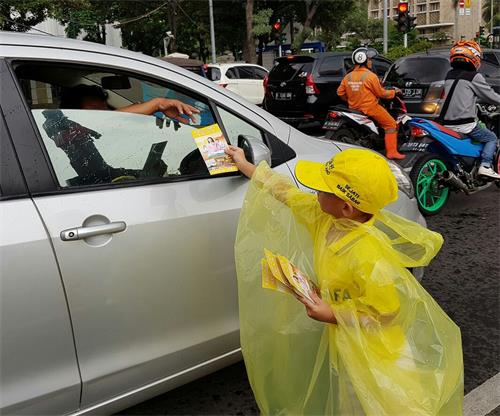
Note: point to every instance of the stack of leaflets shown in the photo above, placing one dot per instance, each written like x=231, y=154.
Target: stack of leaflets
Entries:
x=279, y=273
x=211, y=142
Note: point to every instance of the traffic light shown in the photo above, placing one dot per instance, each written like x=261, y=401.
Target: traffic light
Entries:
x=277, y=25
x=481, y=31
x=283, y=38
x=411, y=22
x=402, y=18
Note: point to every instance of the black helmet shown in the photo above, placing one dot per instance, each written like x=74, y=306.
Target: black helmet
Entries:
x=361, y=55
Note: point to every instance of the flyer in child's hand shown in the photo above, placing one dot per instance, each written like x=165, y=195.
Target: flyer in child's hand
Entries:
x=278, y=273
x=211, y=142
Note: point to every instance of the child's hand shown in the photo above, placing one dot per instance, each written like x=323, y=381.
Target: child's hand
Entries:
x=240, y=160
x=320, y=310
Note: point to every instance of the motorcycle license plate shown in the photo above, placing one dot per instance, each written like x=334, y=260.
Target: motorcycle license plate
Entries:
x=331, y=124
x=283, y=96
x=412, y=92
x=413, y=147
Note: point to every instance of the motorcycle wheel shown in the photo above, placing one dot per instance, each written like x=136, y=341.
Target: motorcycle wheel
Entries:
x=345, y=135
x=431, y=194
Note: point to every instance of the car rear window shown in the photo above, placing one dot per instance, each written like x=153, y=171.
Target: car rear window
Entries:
x=287, y=69
x=420, y=70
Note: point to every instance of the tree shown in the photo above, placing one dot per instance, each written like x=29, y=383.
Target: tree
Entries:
x=487, y=6
x=21, y=15
x=249, y=46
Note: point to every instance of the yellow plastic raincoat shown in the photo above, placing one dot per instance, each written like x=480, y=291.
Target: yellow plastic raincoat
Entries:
x=393, y=352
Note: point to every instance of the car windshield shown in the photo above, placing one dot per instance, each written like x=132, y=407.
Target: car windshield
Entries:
x=418, y=70
x=286, y=70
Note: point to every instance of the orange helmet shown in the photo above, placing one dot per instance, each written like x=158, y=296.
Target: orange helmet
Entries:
x=466, y=51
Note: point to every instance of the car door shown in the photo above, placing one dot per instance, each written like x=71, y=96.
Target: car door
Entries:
x=39, y=369
x=145, y=249
x=249, y=87
x=232, y=80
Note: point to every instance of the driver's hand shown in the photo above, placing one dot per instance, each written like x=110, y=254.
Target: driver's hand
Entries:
x=176, y=109
x=398, y=91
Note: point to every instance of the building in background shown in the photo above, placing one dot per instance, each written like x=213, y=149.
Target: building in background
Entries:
x=437, y=17
x=53, y=27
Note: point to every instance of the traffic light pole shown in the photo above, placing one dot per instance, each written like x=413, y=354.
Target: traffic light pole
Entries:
x=405, y=40
x=385, y=26
x=212, y=31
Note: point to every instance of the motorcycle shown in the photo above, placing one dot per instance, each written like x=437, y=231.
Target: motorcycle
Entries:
x=354, y=127
x=440, y=160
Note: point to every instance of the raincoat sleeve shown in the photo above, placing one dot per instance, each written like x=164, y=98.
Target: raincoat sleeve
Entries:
x=374, y=85
x=303, y=205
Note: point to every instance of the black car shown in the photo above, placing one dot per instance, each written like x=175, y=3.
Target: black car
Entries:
x=421, y=79
x=301, y=88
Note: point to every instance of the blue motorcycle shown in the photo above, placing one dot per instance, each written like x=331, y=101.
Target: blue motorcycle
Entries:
x=439, y=160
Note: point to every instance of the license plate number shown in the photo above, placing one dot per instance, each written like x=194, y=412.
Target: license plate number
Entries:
x=412, y=92
x=331, y=124
x=414, y=147
x=283, y=96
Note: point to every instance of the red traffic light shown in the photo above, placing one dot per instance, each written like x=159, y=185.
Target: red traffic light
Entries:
x=403, y=7
x=277, y=25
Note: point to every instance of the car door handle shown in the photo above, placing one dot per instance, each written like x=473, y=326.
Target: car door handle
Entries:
x=80, y=233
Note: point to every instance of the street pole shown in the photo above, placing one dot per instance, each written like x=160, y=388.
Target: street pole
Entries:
x=405, y=40
x=491, y=17
x=385, y=26
x=212, y=31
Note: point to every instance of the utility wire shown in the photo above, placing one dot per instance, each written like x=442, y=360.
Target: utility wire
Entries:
x=134, y=19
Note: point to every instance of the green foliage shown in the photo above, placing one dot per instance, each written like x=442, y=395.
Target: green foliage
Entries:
x=261, y=24
x=20, y=15
x=398, y=51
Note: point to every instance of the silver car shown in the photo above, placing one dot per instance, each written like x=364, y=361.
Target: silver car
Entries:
x=116, y=245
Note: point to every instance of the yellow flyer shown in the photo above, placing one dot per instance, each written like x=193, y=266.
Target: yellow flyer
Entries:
x=278, y=273
x=211, y=143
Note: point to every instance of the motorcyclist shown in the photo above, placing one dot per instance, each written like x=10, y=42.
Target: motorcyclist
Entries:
x=463, y=86
x=362, y=89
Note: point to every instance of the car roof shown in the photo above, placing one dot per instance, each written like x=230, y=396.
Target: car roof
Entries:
x=60, y=43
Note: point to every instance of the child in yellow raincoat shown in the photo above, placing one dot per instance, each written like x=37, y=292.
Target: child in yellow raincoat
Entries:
x=377, y=343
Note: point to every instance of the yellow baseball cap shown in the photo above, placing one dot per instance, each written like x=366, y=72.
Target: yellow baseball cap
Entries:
x=361, y=177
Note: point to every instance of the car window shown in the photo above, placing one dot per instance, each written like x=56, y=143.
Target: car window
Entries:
x=235, y=126
x=286, y=70
x=490, y=57
x=380, y=67
x=331, y=65
x=246, y=72
x=489, y=70
x=213, y=73
x=95, y=146
x=419, y=70
x=259, y=73
x=232, y=73
x=348, y=65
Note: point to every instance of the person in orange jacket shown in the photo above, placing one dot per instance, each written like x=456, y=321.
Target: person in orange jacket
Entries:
x=362, y=89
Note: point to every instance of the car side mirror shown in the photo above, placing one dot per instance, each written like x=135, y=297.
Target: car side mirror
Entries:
x=255, y=151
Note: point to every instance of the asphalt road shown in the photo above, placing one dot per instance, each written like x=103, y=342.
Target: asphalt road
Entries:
x=463, y=278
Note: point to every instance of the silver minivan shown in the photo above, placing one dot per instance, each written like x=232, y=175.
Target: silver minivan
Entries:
x=117, y=277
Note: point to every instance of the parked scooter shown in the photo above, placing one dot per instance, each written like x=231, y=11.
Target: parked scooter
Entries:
x=354, y=127
x=439, y=160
